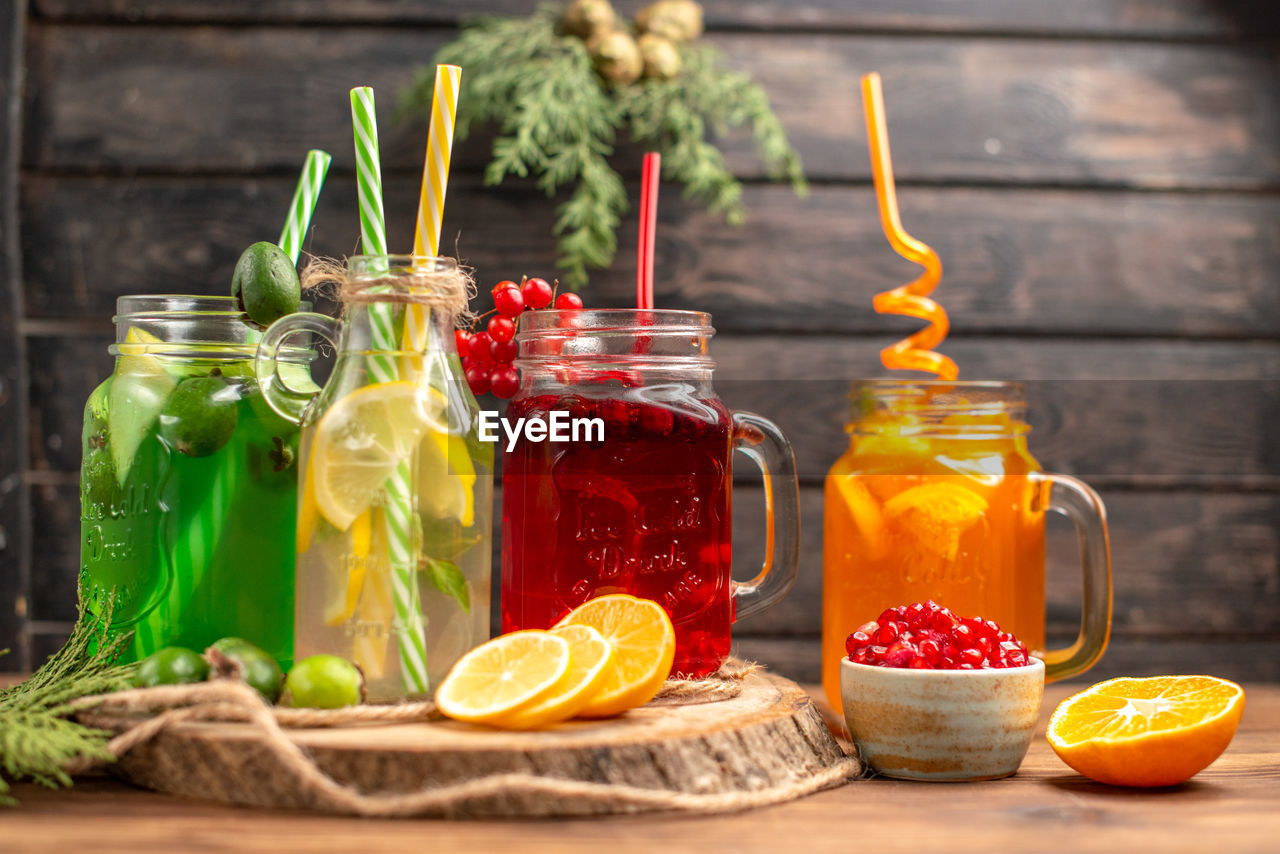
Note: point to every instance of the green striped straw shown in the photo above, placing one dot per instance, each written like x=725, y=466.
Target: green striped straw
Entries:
x=398, y=510
x=304, y=202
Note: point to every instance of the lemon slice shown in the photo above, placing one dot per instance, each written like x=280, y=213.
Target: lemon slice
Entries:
x=591, y=659
x=361, y=440
x=501, y=677
x=347, y=577
x=374, y=607
x=644, y=646
x=138, y=393
x=446, y=478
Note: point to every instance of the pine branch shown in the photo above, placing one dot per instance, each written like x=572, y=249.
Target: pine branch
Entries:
x=557, y=122
x=37, y=738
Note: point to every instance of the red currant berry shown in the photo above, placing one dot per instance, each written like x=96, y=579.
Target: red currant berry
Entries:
x=504, y=352
x=507, y=299
x=502, y=328
x=478, y=379
x=504, y=382
x=569, y=302
x=480, y=349
x=462, y=342
x=537, y=293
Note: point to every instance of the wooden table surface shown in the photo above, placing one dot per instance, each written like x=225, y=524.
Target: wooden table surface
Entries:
x=1233, y=806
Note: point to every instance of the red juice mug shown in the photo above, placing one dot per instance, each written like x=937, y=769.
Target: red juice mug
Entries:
x=639, y=501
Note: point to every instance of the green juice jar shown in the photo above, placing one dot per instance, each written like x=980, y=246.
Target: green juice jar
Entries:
x=188, y=486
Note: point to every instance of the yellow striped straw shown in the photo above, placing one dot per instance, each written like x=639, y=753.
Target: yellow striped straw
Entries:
x=435, y=180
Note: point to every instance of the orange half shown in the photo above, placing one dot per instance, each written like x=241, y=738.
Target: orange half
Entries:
x=1157, y=731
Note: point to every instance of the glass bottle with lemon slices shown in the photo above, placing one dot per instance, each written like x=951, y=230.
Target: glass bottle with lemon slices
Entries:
x=395, y=488
x=938, y=497
x=189, y=482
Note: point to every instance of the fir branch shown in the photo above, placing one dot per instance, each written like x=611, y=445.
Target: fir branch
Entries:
x=37, y=738
x=557, y=122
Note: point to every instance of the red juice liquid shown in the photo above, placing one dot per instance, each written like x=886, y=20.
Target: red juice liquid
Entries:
x=646, y=511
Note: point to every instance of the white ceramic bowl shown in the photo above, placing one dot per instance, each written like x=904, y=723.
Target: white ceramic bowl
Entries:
x=942, y=724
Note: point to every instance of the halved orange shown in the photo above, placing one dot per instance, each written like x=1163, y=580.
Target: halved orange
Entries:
x=1157, y=731
x=644, y=647
x=590, y=663
x=503, y=676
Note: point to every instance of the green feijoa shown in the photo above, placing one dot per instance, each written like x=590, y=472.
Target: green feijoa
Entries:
x=200, y=415
x=323, y=682
x=173, y=665
x=236, y=658
x=265, y=283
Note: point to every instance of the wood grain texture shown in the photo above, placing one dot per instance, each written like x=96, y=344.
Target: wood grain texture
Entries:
x=1016, y=261
x=769, y=737
x=1046, y=807
x=15, y=522
x=1105, y=18
x=1002, y=110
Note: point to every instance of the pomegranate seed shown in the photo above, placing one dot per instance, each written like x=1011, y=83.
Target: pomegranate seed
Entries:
x=537, y=293
x=887, y=633
x=930, y=650
x=569, y=302
x=502, y=328
x=926, y=635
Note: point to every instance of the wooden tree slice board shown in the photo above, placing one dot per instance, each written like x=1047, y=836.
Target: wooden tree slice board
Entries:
x=770, y=738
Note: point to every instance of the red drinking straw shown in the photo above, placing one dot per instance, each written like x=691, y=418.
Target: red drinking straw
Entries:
x=648, y=229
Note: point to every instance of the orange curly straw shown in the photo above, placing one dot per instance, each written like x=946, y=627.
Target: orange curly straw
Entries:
x=914, y=353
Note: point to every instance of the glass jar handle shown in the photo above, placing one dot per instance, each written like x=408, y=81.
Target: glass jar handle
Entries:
x=762, y=441
x=1079, y=503
x=287, y=401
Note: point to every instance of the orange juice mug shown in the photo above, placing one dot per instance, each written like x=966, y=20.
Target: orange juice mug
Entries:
x=938, y=498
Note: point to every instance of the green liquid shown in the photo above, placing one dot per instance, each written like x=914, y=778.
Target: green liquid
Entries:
x=194, y=548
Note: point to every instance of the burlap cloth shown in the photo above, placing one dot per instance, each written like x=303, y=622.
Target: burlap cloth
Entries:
x=141, y=714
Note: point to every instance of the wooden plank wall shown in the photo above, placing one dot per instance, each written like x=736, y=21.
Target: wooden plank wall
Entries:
x=1100, y=178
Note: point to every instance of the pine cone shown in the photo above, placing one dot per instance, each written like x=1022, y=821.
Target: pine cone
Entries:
x=676, y=20
x=588, y=18
x=618, y=59
x=661, y=58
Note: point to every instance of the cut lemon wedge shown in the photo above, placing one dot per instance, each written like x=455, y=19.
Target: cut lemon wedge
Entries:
x=1157, y=731
x=504, y=676
x=360, y=441
x=590, y=663
x=644, y=646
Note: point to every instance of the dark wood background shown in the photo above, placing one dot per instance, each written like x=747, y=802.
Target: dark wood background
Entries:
x=1100, y=178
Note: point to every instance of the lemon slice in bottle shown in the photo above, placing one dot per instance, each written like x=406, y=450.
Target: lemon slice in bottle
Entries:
x=361, y=440
x=446, y=478
x=139, y=390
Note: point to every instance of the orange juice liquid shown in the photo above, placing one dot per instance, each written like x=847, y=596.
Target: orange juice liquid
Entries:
x=949, y=514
